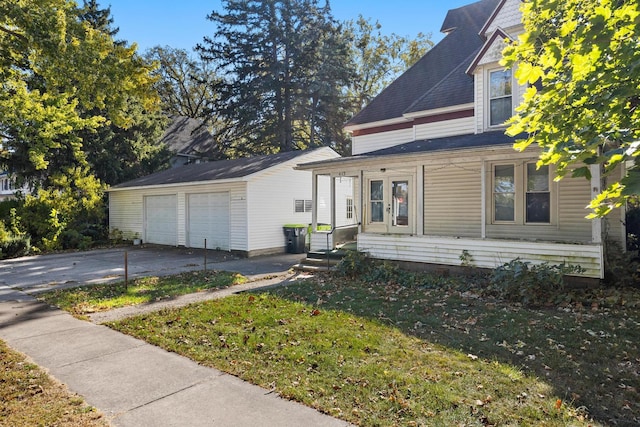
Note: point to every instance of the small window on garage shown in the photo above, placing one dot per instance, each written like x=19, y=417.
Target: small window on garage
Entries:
x=301, y=206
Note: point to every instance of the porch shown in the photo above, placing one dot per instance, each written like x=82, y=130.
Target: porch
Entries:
x=483, y=253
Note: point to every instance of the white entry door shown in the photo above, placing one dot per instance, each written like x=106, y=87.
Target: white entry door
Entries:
x=209, y=218
x=390, y=205
x=160, y=220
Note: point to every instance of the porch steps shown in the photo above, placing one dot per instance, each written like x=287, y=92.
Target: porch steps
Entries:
x=323, y=260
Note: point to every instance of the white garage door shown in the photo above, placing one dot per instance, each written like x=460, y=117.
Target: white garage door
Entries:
x=209, y=219
x=161, y=224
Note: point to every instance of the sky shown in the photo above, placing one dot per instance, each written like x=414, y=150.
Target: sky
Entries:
x=183, y=24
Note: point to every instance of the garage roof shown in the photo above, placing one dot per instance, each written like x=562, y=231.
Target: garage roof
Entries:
x=212, y=171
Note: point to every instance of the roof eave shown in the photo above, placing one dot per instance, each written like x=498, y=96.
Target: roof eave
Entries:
x=499, y=32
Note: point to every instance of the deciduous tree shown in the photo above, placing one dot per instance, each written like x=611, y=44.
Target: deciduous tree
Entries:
x=581, y=60
x=62, y=78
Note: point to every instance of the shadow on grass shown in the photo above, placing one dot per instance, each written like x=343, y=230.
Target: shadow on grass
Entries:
x=589, y=355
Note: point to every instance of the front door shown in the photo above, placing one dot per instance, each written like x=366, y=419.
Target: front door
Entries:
x=390, y=205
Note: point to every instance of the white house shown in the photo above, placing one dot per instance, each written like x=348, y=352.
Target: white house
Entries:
x=437, y=180
x=237, y=205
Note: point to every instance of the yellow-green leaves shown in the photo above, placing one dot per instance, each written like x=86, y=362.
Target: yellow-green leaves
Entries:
x=584, y=57
x=529, y=73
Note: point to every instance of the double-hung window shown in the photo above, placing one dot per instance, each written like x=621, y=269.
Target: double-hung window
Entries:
x=500, y=97
x=538, y=196
x=521, y=194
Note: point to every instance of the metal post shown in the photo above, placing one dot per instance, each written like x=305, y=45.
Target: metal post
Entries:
x=126, y=270
x=205, y=255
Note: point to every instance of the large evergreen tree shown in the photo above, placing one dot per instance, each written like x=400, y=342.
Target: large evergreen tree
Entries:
x=284, y=67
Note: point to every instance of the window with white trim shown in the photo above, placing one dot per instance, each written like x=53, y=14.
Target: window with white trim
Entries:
x=521, y=193
x=500, y=97
x=349, y=207
x=302, y=206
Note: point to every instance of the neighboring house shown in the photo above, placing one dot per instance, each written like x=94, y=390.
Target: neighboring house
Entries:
x=437, y=181
x=189, y=141
x=8, y=189
x=236, y=205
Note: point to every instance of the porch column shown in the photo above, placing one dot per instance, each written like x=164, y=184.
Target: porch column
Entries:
x=596, y=187
x=333, y=201
x=483, y=200
x=314, y=202
x=420, y=201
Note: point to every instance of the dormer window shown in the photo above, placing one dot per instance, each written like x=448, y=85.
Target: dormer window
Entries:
x=500, y=97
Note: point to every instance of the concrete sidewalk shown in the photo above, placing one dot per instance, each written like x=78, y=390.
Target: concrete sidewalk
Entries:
x=136, y=384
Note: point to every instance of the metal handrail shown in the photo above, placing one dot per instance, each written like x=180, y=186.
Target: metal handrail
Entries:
x=330, y=233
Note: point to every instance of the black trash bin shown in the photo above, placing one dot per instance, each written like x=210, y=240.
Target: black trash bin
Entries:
x=295, y=237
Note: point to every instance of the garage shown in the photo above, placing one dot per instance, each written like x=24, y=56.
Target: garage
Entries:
x=237, y=205
x=208, y=218
x=161, y=222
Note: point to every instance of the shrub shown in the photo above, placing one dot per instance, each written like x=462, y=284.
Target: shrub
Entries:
x=73, y=239
x=632, y=222
x=11, y=245
x=358, y=266
x=530, y=284
x=354, y=264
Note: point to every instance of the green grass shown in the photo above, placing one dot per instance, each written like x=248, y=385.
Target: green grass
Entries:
x=90, y=299
x=379, y=355
x=586, y=351
x=29, y=397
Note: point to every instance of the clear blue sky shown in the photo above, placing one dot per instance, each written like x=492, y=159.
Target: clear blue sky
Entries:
x=183, y=23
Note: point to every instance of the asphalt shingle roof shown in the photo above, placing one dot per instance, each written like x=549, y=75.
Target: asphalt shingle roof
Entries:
x=189, y=136
x=442, y=66
x=211, y=171
x=486, y=139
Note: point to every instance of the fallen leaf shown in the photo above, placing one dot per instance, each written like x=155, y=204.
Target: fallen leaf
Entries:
x=558, y=404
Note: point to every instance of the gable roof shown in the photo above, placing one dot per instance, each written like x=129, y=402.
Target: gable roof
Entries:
x=498, y=35
x=212, y=171
x=187, y=136
x=440, y=65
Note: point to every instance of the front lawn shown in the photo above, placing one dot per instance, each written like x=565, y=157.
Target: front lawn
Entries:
x=94, y=298
x=404, y=354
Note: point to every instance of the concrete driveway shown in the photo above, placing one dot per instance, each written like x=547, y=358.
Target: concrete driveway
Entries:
x=45, y=272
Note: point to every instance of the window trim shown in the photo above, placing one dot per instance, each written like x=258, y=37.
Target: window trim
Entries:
x=307, y=205
x=520, y=195
x=349, y=207
x=488, y=98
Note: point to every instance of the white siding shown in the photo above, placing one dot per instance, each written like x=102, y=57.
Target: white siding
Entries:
x=445, y=128
x=481, y=97
x=509, y=16
x=453, y=199
x=126, y=213
x=478, y=77
x=270, y=201
x=344, y=190
x=377, y=141
x=484, y=253
x=126, y=209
